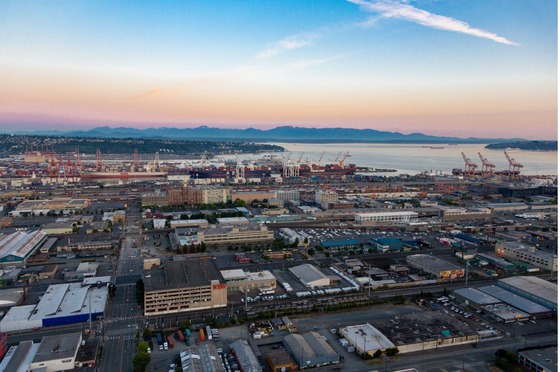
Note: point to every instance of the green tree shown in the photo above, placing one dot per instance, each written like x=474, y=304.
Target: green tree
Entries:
x=140, y=361
x=311, y=252
x=142, y=347
x=377, y=354
x=392, y=351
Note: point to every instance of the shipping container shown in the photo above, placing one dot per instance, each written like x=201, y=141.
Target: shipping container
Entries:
x=180, y=336
x=209, y=332
x=201, y=331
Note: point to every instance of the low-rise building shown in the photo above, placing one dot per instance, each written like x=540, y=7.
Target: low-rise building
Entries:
x=240, y=280
x=366, y=339
x=57, y=353
x=456, y=214
x=435, y=266
x=310, y=350
x=310, y=276
x=539, y=359
x=530, y=255
x=19, y=246
x=383, y=218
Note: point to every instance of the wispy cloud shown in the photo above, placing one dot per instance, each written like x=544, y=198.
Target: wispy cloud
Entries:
x=404, y=11
x=288, y=43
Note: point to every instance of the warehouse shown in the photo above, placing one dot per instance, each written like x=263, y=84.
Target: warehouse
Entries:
x=19, y=357
x=182, y=286
x=310, y=276
x=19, y=246
x=61, y=304
x=535, y=310
x=245, y=356
x=57, y=352
x=474, y=297
x=433, y=265
x=310, y=350
x=10, y=297
x=366, y=339
x=532, y=288
x=238, y=279
x=384, y=245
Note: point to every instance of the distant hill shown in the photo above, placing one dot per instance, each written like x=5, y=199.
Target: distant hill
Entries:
x=525, y=145
x=278, y=134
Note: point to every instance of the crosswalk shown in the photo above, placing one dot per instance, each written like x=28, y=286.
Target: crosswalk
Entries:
x=120, y=337
x=118, y=319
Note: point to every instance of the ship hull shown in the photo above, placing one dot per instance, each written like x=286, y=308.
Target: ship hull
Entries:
x=122, y=175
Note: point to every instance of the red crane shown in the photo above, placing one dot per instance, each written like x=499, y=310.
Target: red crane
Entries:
x=470, y=167
x=514, y=166
x=487, y=167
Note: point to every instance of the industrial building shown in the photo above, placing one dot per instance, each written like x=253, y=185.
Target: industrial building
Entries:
x=534, y=310
x=287, y=195
x=57, y=353
x=202, y=358
x=18, y=358
x=366, y=339
x=323, y=198
x=80, y=242
x=474, y=297
x=61, y=304
x=384, y=245
x=10, y=297
x=182, y=286
x=530, y=255
x=37, y=207
x=310, y=276
x=433, y=265
x=238, y=280
x=310, y=350
x=232, y=221
x=539, y=359
x=245, y=356
x=382, y=218
x=19, y=246
x=456, y=214
x=532, y=288
x=58, y=228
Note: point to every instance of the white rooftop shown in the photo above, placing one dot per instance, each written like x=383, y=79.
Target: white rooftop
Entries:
x=366, y=337
x=235, y=274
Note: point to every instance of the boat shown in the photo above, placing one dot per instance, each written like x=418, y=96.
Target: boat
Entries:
x=437, y=147
x=122, y=175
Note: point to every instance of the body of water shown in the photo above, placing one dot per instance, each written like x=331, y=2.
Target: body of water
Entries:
x=417, y=158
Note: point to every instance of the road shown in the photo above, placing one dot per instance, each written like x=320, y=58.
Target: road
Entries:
x=123, y=316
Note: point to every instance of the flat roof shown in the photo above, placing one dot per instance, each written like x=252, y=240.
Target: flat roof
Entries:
x=534, y=285
x=260, y=275
x=427, y=260
x=477, y=296
x=545, y=356
x=366, y=337
x=515, y=300
x=396, y=213
x=307, y=273
x=10, y=296
x=233, y=274
x=58, y=347
x=506, y=312
x=223, y=220
x=194, y=272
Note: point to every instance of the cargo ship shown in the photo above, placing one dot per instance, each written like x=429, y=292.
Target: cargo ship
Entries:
x=122, y=175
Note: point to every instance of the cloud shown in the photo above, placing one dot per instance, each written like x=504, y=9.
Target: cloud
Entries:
x=407, y=12
x=288, y=43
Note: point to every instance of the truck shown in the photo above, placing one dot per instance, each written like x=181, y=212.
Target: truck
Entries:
x=266, y=291
x=201, y=332
x=209, y=332
x=170, y=342
x=180, y=336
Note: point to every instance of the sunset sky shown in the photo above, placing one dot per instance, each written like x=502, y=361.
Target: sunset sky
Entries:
x=466, y=68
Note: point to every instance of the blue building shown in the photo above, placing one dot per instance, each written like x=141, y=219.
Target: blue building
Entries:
x=387, y=244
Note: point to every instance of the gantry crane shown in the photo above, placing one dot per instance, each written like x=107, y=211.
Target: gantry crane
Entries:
x=514, y=166
x=470, y=167
x=487, y=166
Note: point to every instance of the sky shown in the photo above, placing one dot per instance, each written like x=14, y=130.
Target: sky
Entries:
x=466, y=68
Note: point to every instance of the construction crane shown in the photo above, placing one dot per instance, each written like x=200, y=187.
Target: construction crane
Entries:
x=320, y=158
x=514, y=166
x=98, y=161
x=487, y=167
x=470, y=167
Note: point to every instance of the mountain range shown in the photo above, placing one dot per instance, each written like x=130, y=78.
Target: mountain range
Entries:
x=278, y=134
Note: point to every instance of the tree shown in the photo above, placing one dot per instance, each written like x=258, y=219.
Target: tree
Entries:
x=311, y=252
x=377, y=354
x=142, y=347
x=140, y=361
x=392, y=351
